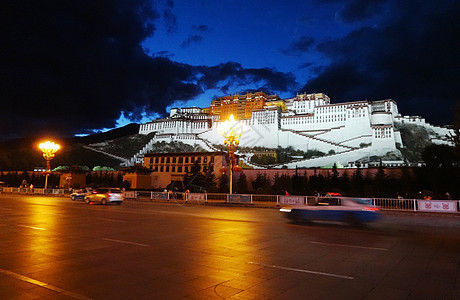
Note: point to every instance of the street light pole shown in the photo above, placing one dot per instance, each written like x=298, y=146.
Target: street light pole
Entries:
x=49, y=149
x=231, y=135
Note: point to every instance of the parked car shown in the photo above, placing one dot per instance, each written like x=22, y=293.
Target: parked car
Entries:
x=78, y=195
x=105, y=196
x=354, y=211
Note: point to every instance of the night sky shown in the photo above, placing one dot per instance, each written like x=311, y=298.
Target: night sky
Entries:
x=76, y=67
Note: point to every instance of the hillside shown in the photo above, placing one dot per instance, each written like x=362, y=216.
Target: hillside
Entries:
x=23, y=154
x=110, y=148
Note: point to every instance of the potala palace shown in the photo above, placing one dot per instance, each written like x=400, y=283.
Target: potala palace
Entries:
x=347, y=132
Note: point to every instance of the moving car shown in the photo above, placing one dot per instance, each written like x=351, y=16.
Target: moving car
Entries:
x=354, y=211
x=105, y=196
x=78, y=195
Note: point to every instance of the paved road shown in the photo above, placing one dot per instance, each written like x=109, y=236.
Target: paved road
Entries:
x=54, y=248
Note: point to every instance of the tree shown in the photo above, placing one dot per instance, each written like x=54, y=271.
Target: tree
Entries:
x=357, y=182
x=210, y=179
x=125, y=184
x=282, y=184
x=317, y=183
x=195, y=180
x=242, y=184
x=223, y=183
x=334, y=176
x=300, y=185
x=442, y=170
x=344, y=183
x=261, y=184
x=380, y=187
x=440, y=156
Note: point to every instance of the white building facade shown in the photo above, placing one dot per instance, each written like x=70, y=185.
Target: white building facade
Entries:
x=346, y=131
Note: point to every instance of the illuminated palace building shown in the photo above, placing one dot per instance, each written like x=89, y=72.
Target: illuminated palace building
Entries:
x=172, y=167
x=345, y=131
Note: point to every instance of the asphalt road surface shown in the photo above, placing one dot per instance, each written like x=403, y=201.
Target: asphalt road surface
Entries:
x=55, y=248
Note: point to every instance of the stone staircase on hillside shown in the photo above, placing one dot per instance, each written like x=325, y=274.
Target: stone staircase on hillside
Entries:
x=138, y=158
x=344, y=147
x=122, y=159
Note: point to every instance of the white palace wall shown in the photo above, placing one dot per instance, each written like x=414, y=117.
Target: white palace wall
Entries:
x=307, y=122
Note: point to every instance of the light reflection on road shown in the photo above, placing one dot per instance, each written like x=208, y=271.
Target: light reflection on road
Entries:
x=38, y=232
x=223, y=243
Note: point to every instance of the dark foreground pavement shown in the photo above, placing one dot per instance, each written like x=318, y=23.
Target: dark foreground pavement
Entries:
x=54, y=248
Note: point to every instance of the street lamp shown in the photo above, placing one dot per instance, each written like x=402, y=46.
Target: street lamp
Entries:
x=49, y=149
x=231, y=133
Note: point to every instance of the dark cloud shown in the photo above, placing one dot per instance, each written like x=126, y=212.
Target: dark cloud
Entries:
x=70, y=67
x=357, y=10
x=412, y=58
x=164, y=53
x=201, y=28
x=299, y=46
x=194, y=38
x=169, y=17
x=267, y=79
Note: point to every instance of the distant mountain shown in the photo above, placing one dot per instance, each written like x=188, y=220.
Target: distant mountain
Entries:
x=129, y=129
x=23, y=154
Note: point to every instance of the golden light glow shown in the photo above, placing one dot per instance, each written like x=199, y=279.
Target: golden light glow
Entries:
x=231, y=131
x=49, y=149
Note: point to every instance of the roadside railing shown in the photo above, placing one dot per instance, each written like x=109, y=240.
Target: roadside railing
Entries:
x=395, y=204
x=391, y=204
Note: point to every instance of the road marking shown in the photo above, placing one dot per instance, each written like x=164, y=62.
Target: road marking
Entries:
x=351, y=246
x=303, y=271
x=33, y=227
x=126, y=242
x=44, y=285
x=111, y=220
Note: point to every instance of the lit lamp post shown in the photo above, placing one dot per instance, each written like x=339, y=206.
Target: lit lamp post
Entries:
x=231, y=134
x=49, y=149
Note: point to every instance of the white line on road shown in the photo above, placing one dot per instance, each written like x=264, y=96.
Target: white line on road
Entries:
x=351, y=246
x=303, y=271
x=44, y=285
x=126, y=242
x=111, y=220
x=33, y=227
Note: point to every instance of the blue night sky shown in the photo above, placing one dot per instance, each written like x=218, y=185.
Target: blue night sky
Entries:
x=76, y=67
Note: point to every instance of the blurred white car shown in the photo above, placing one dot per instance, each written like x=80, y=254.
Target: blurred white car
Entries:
x=354, y=211
x=105, y=196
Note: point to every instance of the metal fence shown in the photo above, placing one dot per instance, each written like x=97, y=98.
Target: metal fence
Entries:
x=37, y=191
x=447, y=206
x=395, y=204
